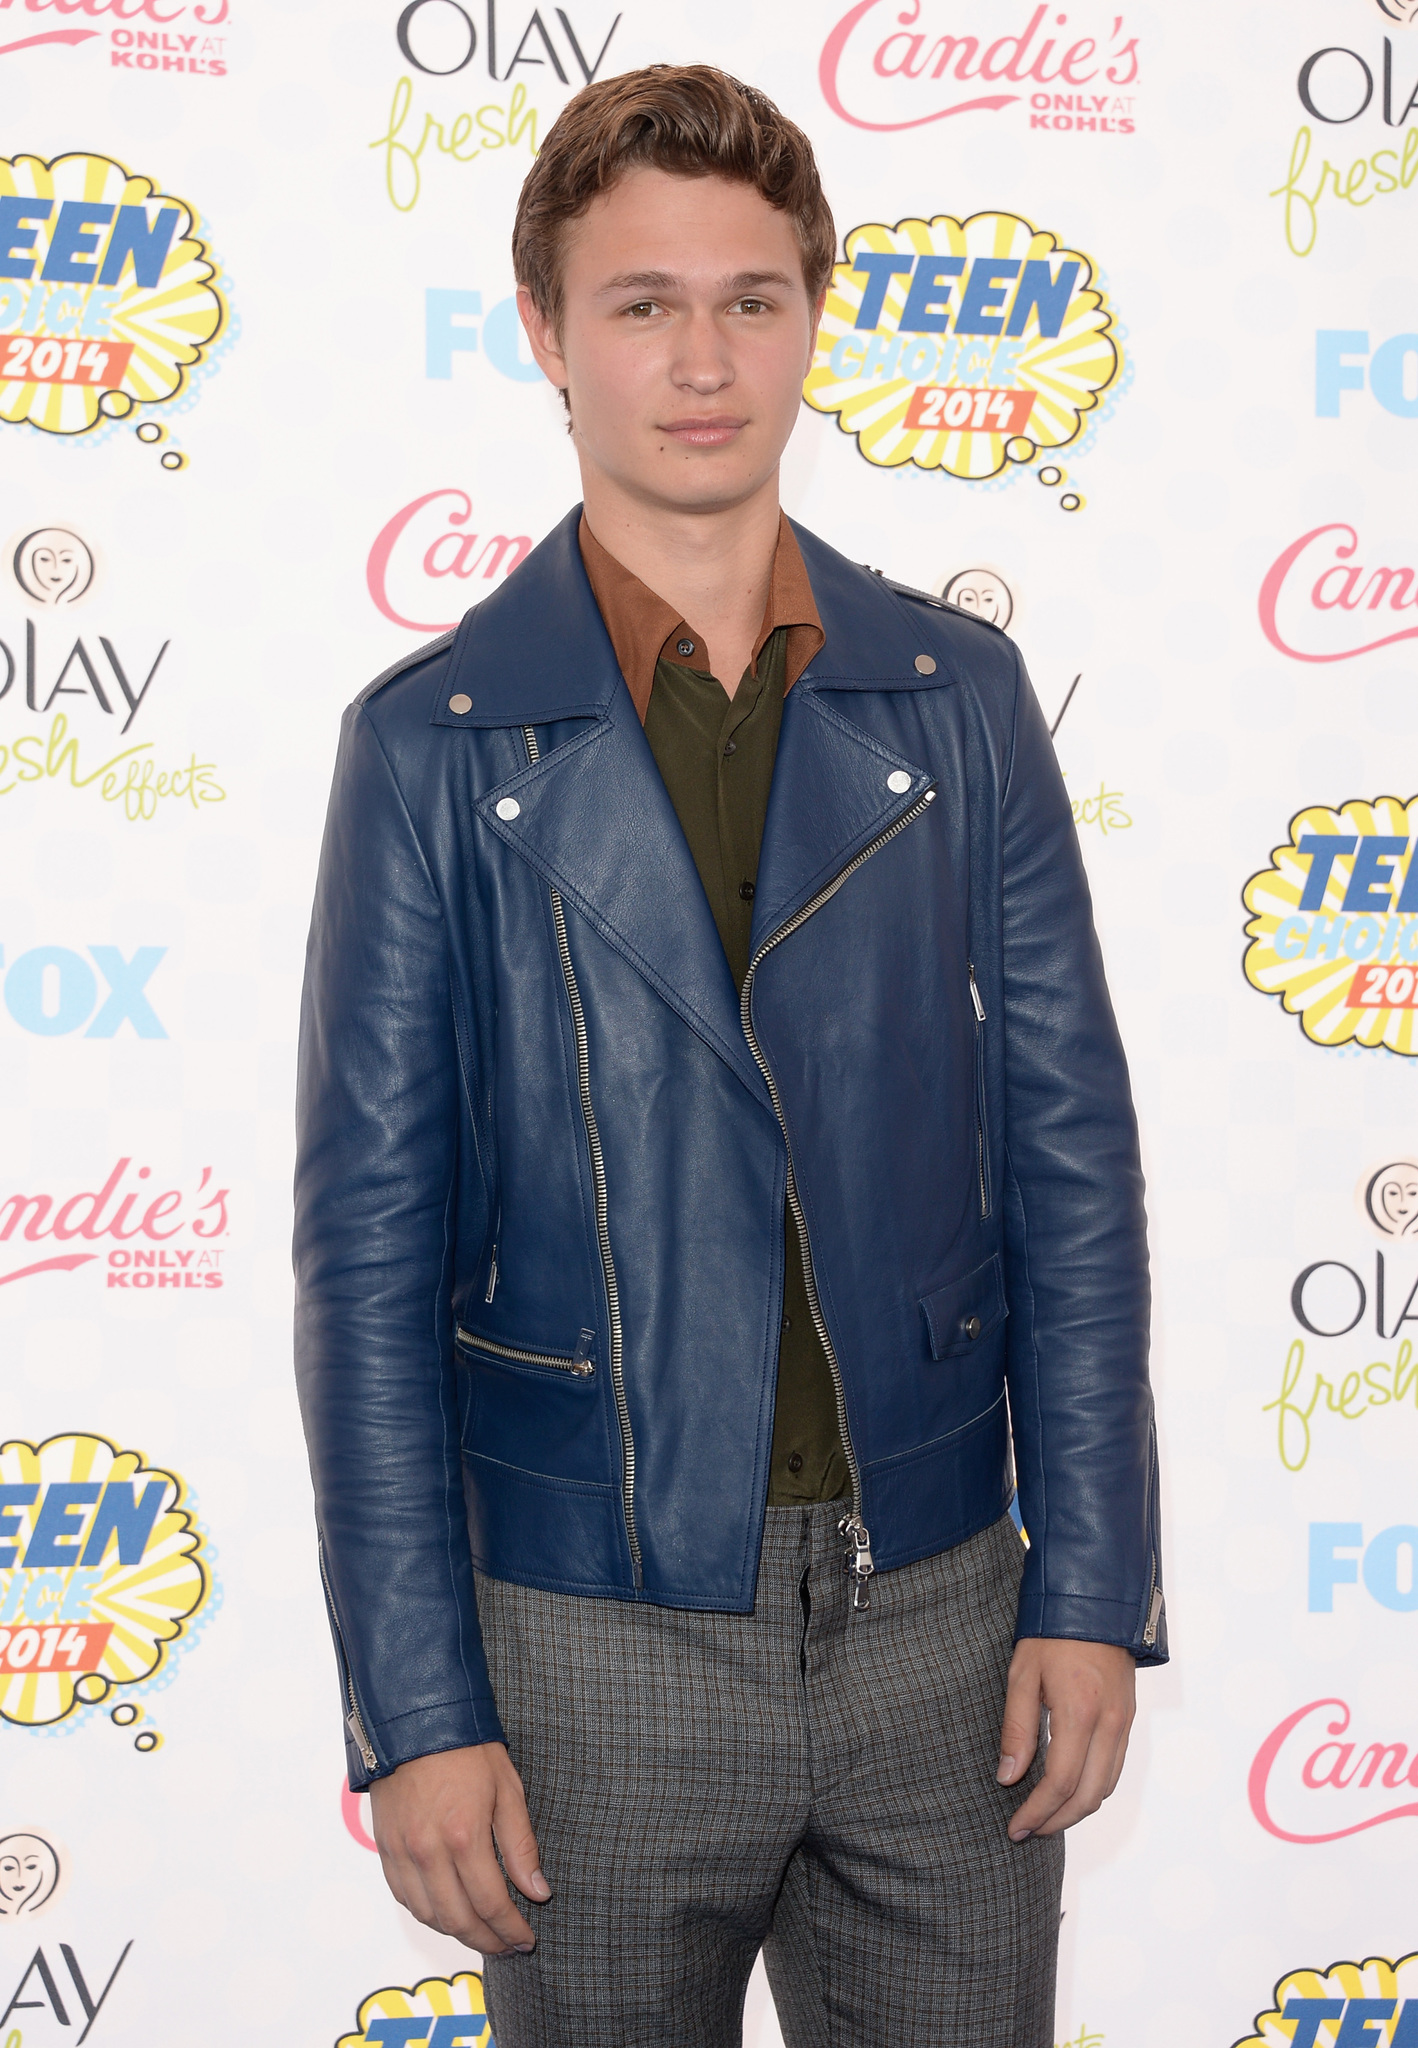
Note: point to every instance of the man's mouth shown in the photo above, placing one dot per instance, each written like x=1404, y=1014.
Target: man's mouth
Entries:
x=710, y=430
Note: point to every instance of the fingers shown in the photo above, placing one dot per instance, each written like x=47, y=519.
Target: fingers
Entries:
x=1019, y=1731
x=454, y=1885
x=438, y=1821
x=1089, y=1692
x=475, y=1868
x=512, y=1827
x=1077, y=1778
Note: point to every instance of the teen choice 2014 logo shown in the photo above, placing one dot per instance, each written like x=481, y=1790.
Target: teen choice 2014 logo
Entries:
x=102, y=1573
x=1375, y=2001
x=1334, y=930
x=962, y=346
x=440, y=2012
x=108, y=299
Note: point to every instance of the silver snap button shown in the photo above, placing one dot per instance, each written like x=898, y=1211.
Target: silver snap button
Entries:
x=508, y=807
x=460, y=703
x=898, y=781
x=973, y=1328
x=925, y=664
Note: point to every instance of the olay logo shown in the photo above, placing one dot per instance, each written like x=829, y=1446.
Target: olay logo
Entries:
x=428, y=541
x=1324, y=601
x=930, y=71
x=1312, y=1781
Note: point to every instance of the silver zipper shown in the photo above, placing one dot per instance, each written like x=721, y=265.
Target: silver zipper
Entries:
x=579, y=1362
x=603, y=1237
x=492, y=1277
x=352, y=1715
x=858, y=1560
x=982, y=1166
x=1154, y=1611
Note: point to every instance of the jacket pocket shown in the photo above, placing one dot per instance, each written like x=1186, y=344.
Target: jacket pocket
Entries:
x=578, y=1364
x=966, y=1310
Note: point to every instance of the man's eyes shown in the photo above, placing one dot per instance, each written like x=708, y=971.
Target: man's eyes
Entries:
x=646, y=309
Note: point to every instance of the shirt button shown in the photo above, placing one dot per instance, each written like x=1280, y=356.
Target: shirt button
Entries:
x=898, y=782
x=731, y=746
x=460, y=704
x=508, y=807
x=746, y=891
x=684, y=647
x=925, y=665
x=795, y=1463
x=973, y=1328
x=787, y=1322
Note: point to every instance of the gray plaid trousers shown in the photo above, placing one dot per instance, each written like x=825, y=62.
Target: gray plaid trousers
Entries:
x=797, y=1780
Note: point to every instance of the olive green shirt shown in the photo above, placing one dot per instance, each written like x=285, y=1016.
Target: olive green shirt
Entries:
x=716, y=755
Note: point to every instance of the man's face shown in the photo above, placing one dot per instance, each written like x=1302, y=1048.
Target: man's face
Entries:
x=686, y=335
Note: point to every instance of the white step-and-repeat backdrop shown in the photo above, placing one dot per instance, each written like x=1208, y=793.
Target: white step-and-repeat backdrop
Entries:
x=1141, y=385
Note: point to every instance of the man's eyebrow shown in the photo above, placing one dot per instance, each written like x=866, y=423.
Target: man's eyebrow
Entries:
x=649, y=281
x=639, y=281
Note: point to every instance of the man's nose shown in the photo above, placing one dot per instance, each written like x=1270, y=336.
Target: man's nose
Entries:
x=703, y=361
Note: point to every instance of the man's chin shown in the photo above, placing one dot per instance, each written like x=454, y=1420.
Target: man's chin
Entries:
x=699, y=490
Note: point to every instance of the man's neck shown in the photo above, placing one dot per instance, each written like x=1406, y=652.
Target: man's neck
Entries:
x=714, y=567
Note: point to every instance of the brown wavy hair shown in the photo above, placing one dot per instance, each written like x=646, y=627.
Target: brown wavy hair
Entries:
x=691, y=120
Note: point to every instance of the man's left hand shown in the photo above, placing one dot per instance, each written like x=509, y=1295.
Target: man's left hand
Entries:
x=1088, y=1689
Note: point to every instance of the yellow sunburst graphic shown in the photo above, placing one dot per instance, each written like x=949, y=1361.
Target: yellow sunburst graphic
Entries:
x=997, y=351
x=101, y=1571
x=1375, y=1977
x=439, y=2000
x=109, y=298
x=1347, y=969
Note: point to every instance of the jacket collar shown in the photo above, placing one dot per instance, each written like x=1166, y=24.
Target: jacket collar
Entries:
x=592, y=815
x=537, y=650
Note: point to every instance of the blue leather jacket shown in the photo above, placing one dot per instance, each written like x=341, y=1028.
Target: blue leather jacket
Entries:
x=545, y=1147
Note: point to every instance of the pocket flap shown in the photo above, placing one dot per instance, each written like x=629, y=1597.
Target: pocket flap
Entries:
x=964, y=1311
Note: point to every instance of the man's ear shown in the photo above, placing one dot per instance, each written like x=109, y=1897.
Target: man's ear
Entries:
x=541, y=339
x=815, y=329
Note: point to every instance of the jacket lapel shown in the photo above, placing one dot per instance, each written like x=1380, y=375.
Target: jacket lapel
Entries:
x=832, y=792
x=593, y=816
x=832, y=795
x=595, y=820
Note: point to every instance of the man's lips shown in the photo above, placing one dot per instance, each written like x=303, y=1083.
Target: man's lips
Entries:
x=710, y=432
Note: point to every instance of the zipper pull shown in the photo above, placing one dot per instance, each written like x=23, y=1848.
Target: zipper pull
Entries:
x=492, y=1277
x=581, y=1356
x=1154, y=1616
x=857, y=1561
x=975, y=997
x=361, y=1741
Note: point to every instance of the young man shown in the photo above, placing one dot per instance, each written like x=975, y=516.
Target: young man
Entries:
x=717, y=1165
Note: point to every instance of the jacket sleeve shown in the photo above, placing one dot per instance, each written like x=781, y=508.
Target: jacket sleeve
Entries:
x=377, y=1123
x=1075, y=1238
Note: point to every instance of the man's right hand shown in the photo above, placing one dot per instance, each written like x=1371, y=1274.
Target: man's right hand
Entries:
x=436, y=1819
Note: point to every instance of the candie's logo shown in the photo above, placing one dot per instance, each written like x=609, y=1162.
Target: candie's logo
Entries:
x=101, y=1573
x=140, y=1220
x=1319, y=603
x=427, y=541
x=440, y=2012
x=1310, y=2007
x=1314, y=1779
x=887, y=67
x=107, y=297
x=962, y=346
x=178, y=42
x=1334, y=930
